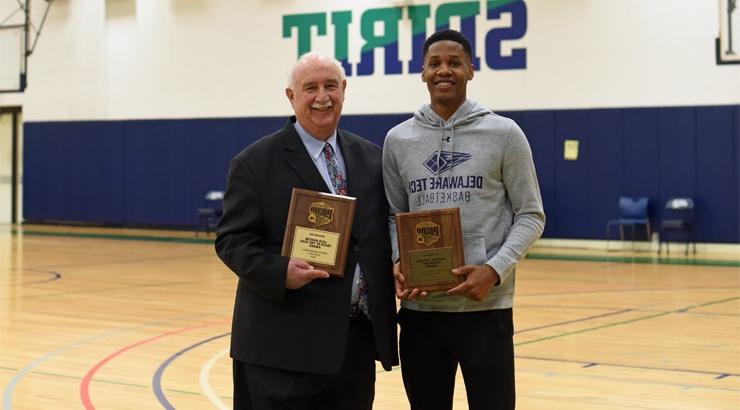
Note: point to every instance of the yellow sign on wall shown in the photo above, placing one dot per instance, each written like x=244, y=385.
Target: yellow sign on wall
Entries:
x=570, y=150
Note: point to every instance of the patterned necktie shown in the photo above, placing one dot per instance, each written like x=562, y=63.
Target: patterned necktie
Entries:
x=337, y=179
x=340, y=188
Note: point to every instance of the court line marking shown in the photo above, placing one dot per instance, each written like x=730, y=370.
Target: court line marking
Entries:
x=157, y=378
x=625, y=290
x=608, y=259
x=205, y=384
x=665, y=313
x=85, y=384
x=635, y=259
x=11, y=386
x=618, y=312
x=91, y=235
x=587, y=364
x=55, y=275
x=535, y=255
x=559, y=360
x=114, y=289
x=624, y=322
x=113, y=382
x=128, y=261
x=535, y=306
x=638, y=380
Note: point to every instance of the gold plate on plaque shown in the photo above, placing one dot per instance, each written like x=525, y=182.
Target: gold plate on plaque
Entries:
x=315, y=246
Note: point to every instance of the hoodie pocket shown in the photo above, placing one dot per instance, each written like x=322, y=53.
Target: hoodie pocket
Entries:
x=474, y=246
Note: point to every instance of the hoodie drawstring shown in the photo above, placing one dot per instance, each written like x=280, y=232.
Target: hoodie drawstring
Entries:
x=452, y=145
x=439, y=149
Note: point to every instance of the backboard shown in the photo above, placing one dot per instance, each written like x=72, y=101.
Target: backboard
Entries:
x=13, y=32
x=728, y=42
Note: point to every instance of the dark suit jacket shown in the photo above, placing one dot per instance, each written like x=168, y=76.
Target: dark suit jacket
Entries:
x=304, y=329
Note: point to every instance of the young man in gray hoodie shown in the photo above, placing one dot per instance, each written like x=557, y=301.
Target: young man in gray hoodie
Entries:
x=456, y=154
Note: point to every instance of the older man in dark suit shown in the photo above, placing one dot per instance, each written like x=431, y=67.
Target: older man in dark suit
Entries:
x=301, y=339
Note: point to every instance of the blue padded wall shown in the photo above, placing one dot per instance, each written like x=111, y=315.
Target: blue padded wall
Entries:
x=677, y=153
x=132, y=173
x=717, y=173
x=572, y=177
x=540, y=129
x=156, y=172
x=604, y=157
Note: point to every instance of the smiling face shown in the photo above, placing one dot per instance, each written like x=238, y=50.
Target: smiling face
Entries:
x=447, y=70
x=317, y=94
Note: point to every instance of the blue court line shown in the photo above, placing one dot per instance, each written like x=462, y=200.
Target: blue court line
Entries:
x=112, y=289
x=625, y=290
x=127, y=260
x=590, y=308
x=157, y=379
x=112, y=382
x=659, y=314
x=56, y=276
x=625, y=366
x=624, y=322
x=649, y=260
x=619, y=312
x=11, y=386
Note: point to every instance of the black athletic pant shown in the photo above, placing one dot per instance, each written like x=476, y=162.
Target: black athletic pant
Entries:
x=433, y=343
x=352, y=388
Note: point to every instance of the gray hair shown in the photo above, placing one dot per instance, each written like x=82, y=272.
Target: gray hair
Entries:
x=313, y=55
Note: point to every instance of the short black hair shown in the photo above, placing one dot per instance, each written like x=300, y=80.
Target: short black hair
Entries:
x=450, y=35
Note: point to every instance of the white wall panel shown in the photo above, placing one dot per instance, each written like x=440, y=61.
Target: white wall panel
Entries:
x=198, y=58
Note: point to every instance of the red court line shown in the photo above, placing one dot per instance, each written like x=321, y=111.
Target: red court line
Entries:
x=85, y=384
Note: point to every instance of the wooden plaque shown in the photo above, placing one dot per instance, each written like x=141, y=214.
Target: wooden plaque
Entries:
x=430, y=245
x=318, y=229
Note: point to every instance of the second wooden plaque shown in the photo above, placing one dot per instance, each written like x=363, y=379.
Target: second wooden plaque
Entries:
x=430, y=245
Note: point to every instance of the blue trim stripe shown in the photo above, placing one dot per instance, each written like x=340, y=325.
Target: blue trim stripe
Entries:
x=157, y=379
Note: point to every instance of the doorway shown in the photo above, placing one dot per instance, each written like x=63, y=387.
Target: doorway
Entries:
x=11, y=140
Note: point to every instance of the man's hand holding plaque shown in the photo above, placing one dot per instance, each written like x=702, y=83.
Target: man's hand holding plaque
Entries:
x=479, y=280
x=430, y=247
x=301, y=273
x=318, y=230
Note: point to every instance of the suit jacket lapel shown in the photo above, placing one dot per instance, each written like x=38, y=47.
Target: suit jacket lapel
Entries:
x=297, y=157
x=353, y=162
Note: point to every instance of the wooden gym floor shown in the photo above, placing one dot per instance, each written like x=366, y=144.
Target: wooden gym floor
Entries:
x=125, y=319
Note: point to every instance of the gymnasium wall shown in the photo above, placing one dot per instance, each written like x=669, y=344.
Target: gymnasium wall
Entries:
x=134, y=107
x=155, y=172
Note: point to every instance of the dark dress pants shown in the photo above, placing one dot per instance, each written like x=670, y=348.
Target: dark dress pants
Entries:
x=352, y=387
x=433, y=343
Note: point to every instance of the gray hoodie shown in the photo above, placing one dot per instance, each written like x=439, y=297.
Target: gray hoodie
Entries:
x=481, y=163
